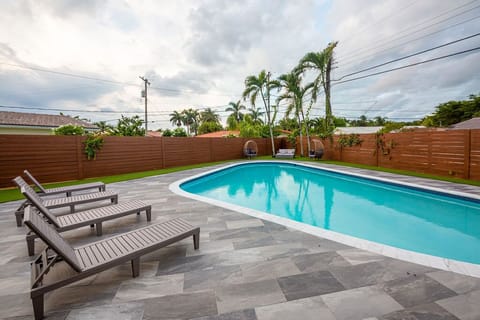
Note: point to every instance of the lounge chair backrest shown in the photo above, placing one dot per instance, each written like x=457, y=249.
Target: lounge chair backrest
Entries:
x=51, y=237
x=39, y=186
x=35, y=200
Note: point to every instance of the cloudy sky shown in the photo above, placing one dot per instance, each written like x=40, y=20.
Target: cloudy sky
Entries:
x=85, y=57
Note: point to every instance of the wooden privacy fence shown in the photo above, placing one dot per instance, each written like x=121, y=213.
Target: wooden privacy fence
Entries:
x=453, y=153
x=62, y=158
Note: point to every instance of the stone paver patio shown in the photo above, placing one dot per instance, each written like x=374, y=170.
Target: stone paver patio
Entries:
x=246, y=268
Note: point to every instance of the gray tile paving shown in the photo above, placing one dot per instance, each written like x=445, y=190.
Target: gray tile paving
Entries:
x=246, y=269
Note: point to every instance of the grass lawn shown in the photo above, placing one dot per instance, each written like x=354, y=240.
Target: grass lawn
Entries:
x=14, y=194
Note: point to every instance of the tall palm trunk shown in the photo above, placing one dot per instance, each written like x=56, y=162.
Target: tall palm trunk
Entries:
x=328, y=105
x=267, y=108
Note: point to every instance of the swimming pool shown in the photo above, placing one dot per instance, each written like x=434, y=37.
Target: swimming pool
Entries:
x=403, y=217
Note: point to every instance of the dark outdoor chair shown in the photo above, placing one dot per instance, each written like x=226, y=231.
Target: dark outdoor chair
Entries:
x=318, y=149
x=95, y=257
x=250, y=149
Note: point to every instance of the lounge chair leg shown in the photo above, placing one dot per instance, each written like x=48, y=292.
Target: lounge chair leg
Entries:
x=72, y=208
x=102, y=188
x=19, y=218
x=69, y=194
x=30, y=243
x=196, y=240
x=99, y=228
x=92, y=225
x=37, y=302
x=135, y=267
x=19, y=213
x=149, y=214
x=115, y=200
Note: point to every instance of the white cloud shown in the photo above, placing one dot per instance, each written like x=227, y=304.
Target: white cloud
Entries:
x=203, y=50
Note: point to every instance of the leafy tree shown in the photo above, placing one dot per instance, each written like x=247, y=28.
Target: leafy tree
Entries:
x=176, y=118
x=339, y=122
x=287, y=123
x=452, y=112
x=167, y=133
x=236, y=108
x=232, y=123
x=69, y=130
x=321, y=62
x=129, y=126
x=179, y=132
x=262, y=85
x=209, y=126
x=379, y=121
x=103, y=127
x=391, y=126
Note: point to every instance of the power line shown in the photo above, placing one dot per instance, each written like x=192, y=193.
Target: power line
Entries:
x=378, y=21
x=407, y=66
x=419, y=24
x=409, y=56
x=351, y=61
x=73, y=75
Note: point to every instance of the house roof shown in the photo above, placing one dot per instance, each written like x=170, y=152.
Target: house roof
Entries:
x=356, y=130
x=21, y=119
x=473, y=123
x=219, y=134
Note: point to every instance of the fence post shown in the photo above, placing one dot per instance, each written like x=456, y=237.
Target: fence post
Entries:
x=162, y=142
x=467, y=153
x=80, y=156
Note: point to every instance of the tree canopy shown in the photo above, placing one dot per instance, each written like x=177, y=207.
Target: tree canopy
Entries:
x=452, y=112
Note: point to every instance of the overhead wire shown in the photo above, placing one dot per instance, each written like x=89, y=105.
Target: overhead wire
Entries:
x=407, y=66
x=390, y=39
x=408, y=56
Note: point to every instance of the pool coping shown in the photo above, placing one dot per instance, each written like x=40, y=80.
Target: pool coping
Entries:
x=461, y=267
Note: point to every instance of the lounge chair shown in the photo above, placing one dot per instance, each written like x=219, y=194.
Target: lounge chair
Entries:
x=63, y=202
x=67, y=189
x=92, y=258
x=92, y=217
x=285, y=153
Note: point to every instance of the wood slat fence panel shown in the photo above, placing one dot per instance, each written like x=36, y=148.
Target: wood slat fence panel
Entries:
x=61, y=158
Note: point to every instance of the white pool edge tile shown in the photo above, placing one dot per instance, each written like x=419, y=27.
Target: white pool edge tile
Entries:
x=460, y=267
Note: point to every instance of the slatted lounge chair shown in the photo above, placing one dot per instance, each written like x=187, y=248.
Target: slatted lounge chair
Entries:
x=93, y=217
x=92, y=258
x=66, y=201
x=68, y=189
x=285, y=153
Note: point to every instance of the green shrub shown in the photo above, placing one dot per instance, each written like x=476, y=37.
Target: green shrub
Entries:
x=69, y=130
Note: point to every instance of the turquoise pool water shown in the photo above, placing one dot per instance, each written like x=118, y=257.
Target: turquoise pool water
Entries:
x=403, y=217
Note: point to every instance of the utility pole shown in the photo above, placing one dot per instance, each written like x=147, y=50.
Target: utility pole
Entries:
x=145, y=80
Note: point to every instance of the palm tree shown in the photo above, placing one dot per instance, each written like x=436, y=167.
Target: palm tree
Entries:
x=190, y=119
x=176, y=118
x=103, y=126
x=236, y=108
x=208, y=115
x=322, y=63
x=294, y=93
x=256, y=115
x=262, y=85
